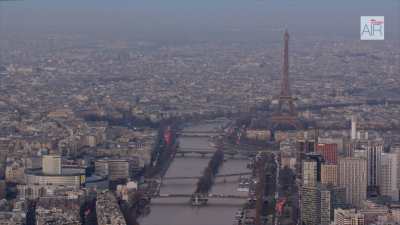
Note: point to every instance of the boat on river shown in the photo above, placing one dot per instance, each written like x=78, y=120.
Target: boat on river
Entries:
x=198, y=200
x=244, y=184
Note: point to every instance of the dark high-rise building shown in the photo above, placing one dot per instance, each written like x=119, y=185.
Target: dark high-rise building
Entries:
x=3, y=187
x=319, y=160
x=338, y=198
x=374, y=154
x=304, y=147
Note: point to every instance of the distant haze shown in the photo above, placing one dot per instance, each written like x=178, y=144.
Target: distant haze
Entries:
x=196, y=19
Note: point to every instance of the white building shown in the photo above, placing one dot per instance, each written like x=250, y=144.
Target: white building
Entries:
x=388, y=175
x=396, y=150
x=353, y=127
x=51, y=164
x=353, y=177
x=309, y=173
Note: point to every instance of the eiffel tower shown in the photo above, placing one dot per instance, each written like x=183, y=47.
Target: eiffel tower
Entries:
x=285, y=117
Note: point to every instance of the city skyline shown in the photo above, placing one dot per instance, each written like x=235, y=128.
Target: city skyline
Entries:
x=259, y=112
x=157, y=20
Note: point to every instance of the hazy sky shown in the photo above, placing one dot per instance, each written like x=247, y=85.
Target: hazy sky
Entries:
x=191, y=18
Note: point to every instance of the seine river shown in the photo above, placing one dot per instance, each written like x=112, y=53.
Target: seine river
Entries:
x=179, y=211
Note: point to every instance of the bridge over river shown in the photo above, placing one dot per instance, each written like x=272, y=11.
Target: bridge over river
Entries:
x=208, y=196
x=208, y=153
x=198, y=177
x=229, y=153
x=198, y=134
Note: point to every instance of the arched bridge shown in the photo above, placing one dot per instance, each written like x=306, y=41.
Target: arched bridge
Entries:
x=201, y=153
x=198, y=177
x=198, y=133
x=206, y=152
x=208, y=196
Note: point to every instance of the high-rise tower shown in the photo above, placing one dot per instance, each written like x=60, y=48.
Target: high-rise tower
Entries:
x=285, y=115
x=374, y=156
x=285, y=96
x=353, y=127
x=353, y=176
